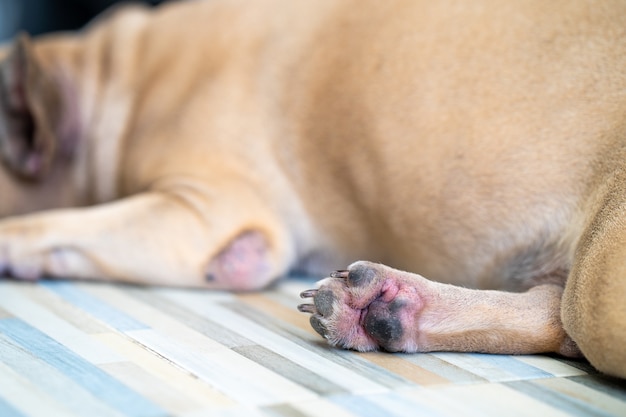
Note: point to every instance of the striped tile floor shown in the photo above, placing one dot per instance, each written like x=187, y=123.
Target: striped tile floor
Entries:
x=84, y=349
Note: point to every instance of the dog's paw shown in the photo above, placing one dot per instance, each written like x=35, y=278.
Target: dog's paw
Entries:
x=26, y=272
x=368, y=307
x=28, y=253
x=16, y=257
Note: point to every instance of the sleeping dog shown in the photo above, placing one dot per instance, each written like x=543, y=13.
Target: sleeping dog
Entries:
x=221, y=144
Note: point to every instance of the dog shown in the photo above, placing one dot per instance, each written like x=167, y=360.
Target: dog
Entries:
x=221, y=144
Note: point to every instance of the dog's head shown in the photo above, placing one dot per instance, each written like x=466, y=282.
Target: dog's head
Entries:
x=33, y=121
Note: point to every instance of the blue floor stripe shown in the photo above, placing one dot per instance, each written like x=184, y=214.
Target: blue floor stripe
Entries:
x=51, y=381
x=95, y=307
x=512, y=365
x=91, y=378
x=7, y=410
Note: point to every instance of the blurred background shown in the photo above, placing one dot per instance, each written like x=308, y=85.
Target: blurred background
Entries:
x=41, y=16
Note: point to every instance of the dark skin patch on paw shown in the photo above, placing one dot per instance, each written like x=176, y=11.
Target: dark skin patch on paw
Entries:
x=361, y=275
x=385, y=330
x=324, y=302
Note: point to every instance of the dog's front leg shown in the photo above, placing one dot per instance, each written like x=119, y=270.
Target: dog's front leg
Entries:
x=372, y=306
x=166, y=237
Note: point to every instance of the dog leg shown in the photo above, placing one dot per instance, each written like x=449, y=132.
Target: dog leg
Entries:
x=594, y=300
x=165, y=238
x=372, y=306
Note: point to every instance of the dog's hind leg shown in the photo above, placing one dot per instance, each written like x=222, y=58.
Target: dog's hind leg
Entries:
x=594, y=301
x=372, y=306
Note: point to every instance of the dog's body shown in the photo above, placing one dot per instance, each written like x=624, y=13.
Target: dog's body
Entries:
x=220, y=144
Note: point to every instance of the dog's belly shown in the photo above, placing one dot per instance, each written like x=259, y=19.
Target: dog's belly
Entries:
x=443, y=207
x=492, y=229
x=475, y=222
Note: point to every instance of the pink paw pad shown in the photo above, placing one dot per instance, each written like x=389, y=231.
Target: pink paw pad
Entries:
x=244, y=264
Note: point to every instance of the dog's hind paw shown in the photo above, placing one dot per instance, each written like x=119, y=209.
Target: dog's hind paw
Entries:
x=367, y=307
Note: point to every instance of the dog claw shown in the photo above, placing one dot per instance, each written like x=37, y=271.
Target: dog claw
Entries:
x=307, y=308
x=308, y=294
x=343, y=273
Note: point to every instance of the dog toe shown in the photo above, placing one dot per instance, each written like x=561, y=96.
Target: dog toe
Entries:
x=362, y=274
x=324, y=301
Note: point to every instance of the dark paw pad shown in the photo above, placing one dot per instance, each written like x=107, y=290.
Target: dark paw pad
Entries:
x=386, y=330
x=361, y=275
x=324, y=302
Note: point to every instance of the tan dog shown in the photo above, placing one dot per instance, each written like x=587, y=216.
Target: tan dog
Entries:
x=220, y=144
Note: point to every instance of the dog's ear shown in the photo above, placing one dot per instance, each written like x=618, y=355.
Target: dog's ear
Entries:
x=29, y=108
